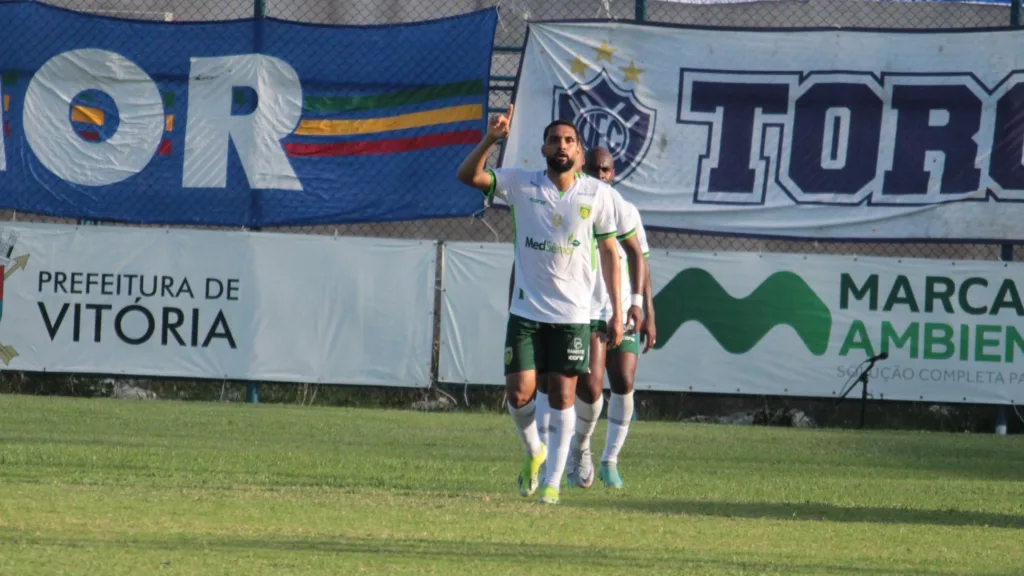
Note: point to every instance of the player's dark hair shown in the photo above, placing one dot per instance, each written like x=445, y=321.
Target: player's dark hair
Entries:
x=561, y=122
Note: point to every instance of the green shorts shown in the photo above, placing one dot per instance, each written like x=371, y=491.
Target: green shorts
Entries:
x=630, y=344
x=546, y=348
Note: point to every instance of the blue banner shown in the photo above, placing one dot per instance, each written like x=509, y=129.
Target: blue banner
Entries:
x=244, y=123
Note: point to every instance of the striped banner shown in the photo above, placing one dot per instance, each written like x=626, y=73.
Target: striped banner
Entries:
x=193, y=123
x=436, y=114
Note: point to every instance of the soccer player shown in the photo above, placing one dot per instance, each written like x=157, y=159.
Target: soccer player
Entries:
x=633, y=255
x=621, y=360
x=557, y=214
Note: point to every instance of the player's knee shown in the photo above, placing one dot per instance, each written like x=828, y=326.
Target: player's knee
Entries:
x=621, y=382
x=518, y=391
x=518, y=398
x=592, y=388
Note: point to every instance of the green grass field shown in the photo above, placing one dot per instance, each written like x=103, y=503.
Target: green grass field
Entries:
x=119, y=487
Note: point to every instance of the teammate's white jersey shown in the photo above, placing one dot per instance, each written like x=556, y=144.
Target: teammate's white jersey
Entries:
x=601, y=304
x=553, y=237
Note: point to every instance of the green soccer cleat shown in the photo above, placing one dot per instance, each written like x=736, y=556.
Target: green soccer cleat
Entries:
x=548, y=495
x=531, y=471
x=609, y=474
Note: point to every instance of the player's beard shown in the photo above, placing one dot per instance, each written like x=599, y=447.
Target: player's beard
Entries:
x=560, y=166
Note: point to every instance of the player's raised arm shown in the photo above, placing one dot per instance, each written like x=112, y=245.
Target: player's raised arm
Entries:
x=471, y=172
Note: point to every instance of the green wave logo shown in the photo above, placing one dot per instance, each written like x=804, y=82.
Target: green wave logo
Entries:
x=738, y=324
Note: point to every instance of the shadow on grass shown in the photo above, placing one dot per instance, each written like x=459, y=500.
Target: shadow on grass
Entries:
x=810, y=512
x=555, y=557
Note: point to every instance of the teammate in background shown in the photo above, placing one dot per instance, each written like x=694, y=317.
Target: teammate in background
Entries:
x=557, y=215
x=621, y=360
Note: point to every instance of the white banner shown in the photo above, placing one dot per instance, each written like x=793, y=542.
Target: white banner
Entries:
x=790, y=325
x=474, y=308
x=213, y=304
x=838, y=134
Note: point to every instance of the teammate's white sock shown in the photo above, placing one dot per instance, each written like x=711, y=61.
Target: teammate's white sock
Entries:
x=526, y=426
x=620, y=412
x=561, y=430
x=586, y=420
x=543, y=416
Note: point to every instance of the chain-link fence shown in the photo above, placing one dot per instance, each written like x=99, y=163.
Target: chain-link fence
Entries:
x=494, y=224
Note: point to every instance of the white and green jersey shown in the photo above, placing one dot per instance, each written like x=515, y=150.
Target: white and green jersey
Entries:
x=601, y=304
x=553, y=236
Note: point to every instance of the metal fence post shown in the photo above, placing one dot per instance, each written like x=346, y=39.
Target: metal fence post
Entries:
x=1006, y=255
x=259, y=12
x=641, y=9
x=1006, y=251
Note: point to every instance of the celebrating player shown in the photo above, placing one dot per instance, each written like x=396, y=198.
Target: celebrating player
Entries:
x=557, y=214
x=632, y=261
x=621, y=360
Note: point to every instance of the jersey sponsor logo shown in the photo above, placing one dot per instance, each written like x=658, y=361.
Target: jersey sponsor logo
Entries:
x=540, y=201
x=855, y=138
x=553, y=247
x=609, y=115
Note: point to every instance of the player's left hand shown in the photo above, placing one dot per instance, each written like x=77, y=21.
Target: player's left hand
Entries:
x=648, y=334
x=634, y=319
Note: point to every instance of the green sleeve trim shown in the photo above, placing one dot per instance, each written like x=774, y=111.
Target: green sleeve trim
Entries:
x=628, y=235
x=494, y=184
x=605, y=236
x=647, y=254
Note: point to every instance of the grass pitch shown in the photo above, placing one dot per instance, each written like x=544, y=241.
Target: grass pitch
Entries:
x=118, y=487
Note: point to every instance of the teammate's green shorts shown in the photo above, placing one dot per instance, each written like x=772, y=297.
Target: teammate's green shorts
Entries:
x=547, y=348
x=630, y=344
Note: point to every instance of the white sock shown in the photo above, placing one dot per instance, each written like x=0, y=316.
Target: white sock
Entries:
x=543, y=416
x=543, y=427
x=560, y=431
x=586, y=420
x=526, y=426
x=620, y=412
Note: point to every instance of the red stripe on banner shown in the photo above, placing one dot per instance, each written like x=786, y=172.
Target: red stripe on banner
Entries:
x=90, y=136
x=2, y=285
x=165, y=148
x=384, y=146
x=7, y=128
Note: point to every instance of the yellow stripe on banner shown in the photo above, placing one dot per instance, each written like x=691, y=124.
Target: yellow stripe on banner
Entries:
x=87, y=115
x=169, y=124
x=402, y=122
x=7, y=102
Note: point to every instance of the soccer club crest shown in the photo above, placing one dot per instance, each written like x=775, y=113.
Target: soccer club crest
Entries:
x=584, y=212
x=611, y=116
